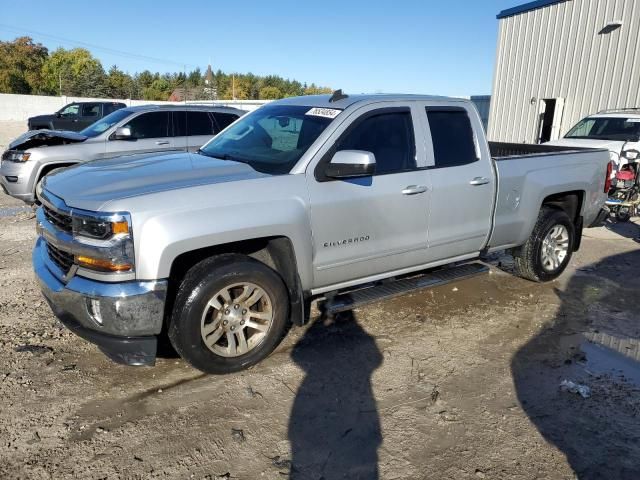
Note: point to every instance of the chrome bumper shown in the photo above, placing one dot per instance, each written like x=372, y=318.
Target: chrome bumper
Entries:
x=123, y=318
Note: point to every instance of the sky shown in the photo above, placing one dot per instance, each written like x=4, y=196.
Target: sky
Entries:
x=440, y=47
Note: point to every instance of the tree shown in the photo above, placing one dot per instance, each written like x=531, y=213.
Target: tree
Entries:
x=315, y=90
x=74, y=72
x=270, y=93
x=21, y=65
x=119, y=84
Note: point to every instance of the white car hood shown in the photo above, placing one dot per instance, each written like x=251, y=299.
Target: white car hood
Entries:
x=611, y=145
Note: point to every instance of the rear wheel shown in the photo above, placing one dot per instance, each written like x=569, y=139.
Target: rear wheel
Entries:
x=231, y=311
x=548, y=249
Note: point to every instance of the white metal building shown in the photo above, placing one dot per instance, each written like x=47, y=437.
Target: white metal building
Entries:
x=561, y=60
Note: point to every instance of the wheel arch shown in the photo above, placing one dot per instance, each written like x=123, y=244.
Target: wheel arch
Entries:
x=276, y=252
x=571, y=203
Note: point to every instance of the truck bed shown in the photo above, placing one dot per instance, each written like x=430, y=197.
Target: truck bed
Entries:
x=507, y=151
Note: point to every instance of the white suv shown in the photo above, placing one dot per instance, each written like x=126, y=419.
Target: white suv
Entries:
x=616, y=130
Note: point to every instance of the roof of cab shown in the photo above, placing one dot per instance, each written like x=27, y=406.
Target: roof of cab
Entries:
x=179, y=106
x=324, y=101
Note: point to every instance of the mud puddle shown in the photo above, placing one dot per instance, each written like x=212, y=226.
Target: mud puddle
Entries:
x=613, y=356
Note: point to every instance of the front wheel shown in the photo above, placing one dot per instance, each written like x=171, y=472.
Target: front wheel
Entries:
x=548, y=249
x=623, y=214
x=231, y=311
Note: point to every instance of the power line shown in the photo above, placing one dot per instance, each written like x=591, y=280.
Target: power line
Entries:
x=112, y=51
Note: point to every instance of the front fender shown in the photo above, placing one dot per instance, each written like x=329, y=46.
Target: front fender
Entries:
x=275, y=207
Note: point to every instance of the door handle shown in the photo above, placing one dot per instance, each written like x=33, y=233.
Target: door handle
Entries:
x=479, y=181
x=414, y=189
x=162, y=142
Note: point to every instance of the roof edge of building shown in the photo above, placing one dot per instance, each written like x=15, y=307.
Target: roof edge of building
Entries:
x=510, y=12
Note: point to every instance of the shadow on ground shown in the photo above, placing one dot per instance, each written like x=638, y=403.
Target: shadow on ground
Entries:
x=334, y=428
x=594, y=340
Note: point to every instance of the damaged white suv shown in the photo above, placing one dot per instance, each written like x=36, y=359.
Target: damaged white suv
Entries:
x=616, y=130
x=128, y=131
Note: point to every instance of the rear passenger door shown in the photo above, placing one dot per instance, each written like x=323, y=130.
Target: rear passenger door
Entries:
x=90, y=113
x=150, y=132
x=462, y=182
x=192, y=129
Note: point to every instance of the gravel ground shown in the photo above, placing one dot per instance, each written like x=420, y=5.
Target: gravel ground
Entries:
x=458, y=382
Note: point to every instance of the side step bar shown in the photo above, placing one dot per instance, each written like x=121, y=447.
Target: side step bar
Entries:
x=343, y=301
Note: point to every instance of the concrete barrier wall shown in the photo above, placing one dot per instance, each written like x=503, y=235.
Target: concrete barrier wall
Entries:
x=16, y=108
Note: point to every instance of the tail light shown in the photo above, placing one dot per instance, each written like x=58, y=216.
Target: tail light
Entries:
x=607, y=180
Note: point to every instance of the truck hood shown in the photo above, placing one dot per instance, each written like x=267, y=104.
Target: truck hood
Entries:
x=40, y=138
x=612, y=145
x=90, y=185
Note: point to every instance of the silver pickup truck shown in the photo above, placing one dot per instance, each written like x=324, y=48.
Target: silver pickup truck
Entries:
x=346, y=199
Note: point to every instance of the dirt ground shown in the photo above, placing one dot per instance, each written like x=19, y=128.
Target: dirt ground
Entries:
x=459, y=382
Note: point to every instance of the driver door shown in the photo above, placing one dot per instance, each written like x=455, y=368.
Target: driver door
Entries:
x=69, y=117
x=367, y=226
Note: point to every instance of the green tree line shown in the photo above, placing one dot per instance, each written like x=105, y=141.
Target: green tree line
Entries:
x=30, y=68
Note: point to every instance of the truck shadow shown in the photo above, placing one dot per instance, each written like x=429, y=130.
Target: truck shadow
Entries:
x=593, y=340
x=334, y=427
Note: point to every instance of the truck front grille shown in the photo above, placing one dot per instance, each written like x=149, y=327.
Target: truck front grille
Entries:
x=61, y=258
x=60, y=220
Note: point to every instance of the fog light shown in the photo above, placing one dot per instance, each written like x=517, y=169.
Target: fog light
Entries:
x=93, y=307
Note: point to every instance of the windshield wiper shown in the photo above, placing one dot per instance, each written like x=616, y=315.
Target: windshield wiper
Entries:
x=223, y=156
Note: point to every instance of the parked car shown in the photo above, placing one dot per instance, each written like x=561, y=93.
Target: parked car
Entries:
x=350, y=199
x=616, y=130
x=75, y=116
x=144, y=129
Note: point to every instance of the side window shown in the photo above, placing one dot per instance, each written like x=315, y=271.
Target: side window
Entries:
x=452, y=136
x=111, y=107
x=389, y=136
x=224, y=119
x=91, y=110
x=149, y=125
x=200, y=123
x=70, y=110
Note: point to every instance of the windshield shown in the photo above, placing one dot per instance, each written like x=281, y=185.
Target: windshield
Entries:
x=607, y=128
x=273, y=138
x=105, y=123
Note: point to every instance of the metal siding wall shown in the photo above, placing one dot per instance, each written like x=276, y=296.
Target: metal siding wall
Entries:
x=556, y=51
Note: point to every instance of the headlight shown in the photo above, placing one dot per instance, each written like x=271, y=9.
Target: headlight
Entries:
x=105, y=242
x=16, y=156
x=631, y=154
x=98, y=229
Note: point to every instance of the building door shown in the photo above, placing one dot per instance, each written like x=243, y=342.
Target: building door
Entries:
x=550, y=116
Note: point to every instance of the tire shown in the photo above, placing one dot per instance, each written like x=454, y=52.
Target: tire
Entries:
x=199, y=313
x=529, y=259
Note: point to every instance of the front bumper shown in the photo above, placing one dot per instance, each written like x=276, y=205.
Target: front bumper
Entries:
x=123, y=319
x=15, y=180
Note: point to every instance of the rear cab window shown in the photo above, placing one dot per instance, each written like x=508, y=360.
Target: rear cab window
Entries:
x=91, y=110
x=194, y=123
x=452, y=136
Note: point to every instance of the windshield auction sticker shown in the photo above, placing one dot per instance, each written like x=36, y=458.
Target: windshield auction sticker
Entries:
x=324, y=112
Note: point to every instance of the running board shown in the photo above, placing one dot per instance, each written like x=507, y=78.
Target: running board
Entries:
x=343, y=301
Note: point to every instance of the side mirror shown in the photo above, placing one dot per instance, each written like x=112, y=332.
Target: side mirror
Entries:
x=58, y=114
x=123, y=133
x=351, y=164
